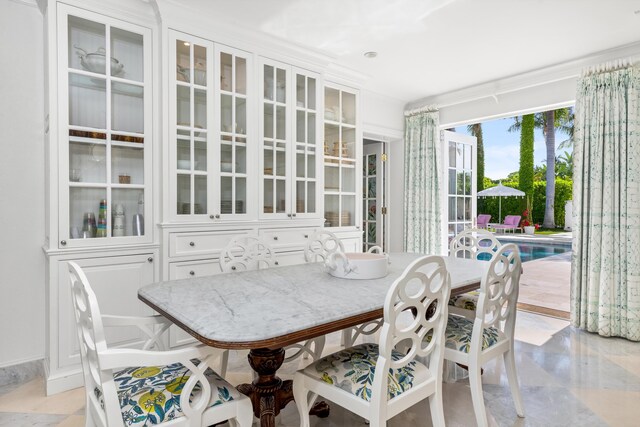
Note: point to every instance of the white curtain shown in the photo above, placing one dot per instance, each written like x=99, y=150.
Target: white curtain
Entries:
x=422, y=187
x=605, y=284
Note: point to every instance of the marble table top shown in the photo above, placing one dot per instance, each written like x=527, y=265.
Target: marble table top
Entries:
x=259, y=308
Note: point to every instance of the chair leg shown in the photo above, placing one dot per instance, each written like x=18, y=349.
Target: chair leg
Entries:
x=318, y=347
x=244, y=417
x=512, y=376
x=301, y=397
x=224, y=360
x=436, y=406
x=475, y=383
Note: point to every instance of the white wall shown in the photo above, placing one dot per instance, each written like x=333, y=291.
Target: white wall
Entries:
x=22, y=216
x=383, y=119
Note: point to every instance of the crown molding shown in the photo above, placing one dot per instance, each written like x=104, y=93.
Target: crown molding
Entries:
x=546, y=75
x=32, y=3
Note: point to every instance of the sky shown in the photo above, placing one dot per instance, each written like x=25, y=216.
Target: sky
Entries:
x=502, y=148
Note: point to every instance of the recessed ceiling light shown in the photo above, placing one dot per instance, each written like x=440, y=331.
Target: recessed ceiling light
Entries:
x=370, y=54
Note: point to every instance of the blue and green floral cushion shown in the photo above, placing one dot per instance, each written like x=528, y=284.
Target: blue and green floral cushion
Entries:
x=458, y=334
x=150, y=395
x=468, y=301
x=353, y=369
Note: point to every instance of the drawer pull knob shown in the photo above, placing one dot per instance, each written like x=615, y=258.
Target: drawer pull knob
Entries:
x=293, y=215
x=217, y=216
x=192, y=243
x=306, y=236
x=63, y=242
x=233, y=267
x=150, y=259
x=289, y=215
x=276, y=263
x=275, y=237
x=212, y=216
x=192, y=273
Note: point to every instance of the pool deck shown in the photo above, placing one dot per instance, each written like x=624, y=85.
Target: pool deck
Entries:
x=546, y=282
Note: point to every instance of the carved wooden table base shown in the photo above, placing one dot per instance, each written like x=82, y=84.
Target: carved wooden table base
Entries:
x=268, y=393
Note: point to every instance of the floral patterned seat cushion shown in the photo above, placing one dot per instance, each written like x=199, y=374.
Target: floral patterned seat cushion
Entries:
x=458, y=334
x=149, y=395
x=468, y=301
x=352, y=370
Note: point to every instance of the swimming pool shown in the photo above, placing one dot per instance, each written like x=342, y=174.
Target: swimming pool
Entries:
x=533, y=250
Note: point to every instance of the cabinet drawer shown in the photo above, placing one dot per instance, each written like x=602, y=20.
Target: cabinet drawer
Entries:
x=187, y=269
x=287, y=237
x=290, y=258
x=210, y=243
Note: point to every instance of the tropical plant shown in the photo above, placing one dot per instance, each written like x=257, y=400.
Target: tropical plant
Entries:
x=564, y=166
x=549, y=122
x=476, y=130
x=525, y=173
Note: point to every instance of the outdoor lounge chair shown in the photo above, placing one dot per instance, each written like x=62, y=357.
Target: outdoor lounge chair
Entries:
x=483, y=220
x=511, y=222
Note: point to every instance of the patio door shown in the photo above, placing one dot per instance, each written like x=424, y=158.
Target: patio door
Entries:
x=460, y=204
x=373, y=205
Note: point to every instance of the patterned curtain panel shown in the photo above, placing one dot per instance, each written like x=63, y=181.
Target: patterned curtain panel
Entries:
x=605, y=283
x=422, y=191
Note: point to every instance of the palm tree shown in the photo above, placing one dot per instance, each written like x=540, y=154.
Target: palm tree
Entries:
x=476, y=130
x=549, y=122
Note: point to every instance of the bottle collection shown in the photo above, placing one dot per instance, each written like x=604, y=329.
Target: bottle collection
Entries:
x=98, y=228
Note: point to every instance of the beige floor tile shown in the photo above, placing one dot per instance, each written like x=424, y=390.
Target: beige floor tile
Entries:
x=30, y=398
x=630, y=363
x=72, y=421
x=617, y=408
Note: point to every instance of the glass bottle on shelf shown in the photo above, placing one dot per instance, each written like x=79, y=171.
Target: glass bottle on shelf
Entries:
x=107, y=121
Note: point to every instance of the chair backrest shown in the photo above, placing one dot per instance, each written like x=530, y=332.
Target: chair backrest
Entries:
x=246, y=253
x=483, y=220
x=513, y=220
x=99, y=383
x=425, y=284
x=498, y=296
x=474, y=244
x=320, y=245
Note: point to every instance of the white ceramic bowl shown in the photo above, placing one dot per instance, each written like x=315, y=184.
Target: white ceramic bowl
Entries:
x=356, y=265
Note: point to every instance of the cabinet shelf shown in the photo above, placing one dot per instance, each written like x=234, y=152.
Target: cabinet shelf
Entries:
x=97, y=81
x=337, y=123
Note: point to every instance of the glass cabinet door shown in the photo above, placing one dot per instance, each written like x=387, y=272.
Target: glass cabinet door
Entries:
x=275, y=162
x=305, y=164
x=190, y=101
x=234, y=121
x=340, y=156
x=107, y=123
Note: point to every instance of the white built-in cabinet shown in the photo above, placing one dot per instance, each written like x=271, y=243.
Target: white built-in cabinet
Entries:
x=163, y=153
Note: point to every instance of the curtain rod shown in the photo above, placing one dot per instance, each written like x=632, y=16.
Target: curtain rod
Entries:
x=607, y=67
x=425, y=109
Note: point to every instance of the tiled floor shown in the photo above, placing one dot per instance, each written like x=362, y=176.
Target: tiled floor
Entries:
x=546, y=282
x=568, y=378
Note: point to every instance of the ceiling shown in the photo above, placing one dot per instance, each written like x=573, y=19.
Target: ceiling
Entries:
x=429, y=47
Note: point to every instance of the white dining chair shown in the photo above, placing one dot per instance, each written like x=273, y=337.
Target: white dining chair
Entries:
x=131, y=387
x=474, y=342
x=318, y=249
x=477, y=244
x=375, y=381
x=249, y=252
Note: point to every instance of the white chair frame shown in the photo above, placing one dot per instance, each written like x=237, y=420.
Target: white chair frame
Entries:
x=99, y=362
x=431, y=278
x=496, y=308
x=467, y=244
x=249, y=252
x=319, y=247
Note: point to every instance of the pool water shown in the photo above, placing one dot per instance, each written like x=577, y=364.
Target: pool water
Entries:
x=530, y=251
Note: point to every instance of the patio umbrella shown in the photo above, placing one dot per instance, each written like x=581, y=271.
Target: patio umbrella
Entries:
x=500, y=191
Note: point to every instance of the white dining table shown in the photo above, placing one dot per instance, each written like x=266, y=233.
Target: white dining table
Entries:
x=265, y=310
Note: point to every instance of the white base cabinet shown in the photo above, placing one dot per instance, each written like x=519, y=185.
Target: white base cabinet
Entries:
x=115, y=278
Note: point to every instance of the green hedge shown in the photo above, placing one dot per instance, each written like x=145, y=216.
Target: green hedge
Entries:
x=515, y=205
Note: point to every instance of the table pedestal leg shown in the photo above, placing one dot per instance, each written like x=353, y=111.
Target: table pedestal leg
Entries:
x=268, y=393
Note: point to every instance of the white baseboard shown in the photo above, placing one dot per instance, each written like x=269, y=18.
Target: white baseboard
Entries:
x=63, y=382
